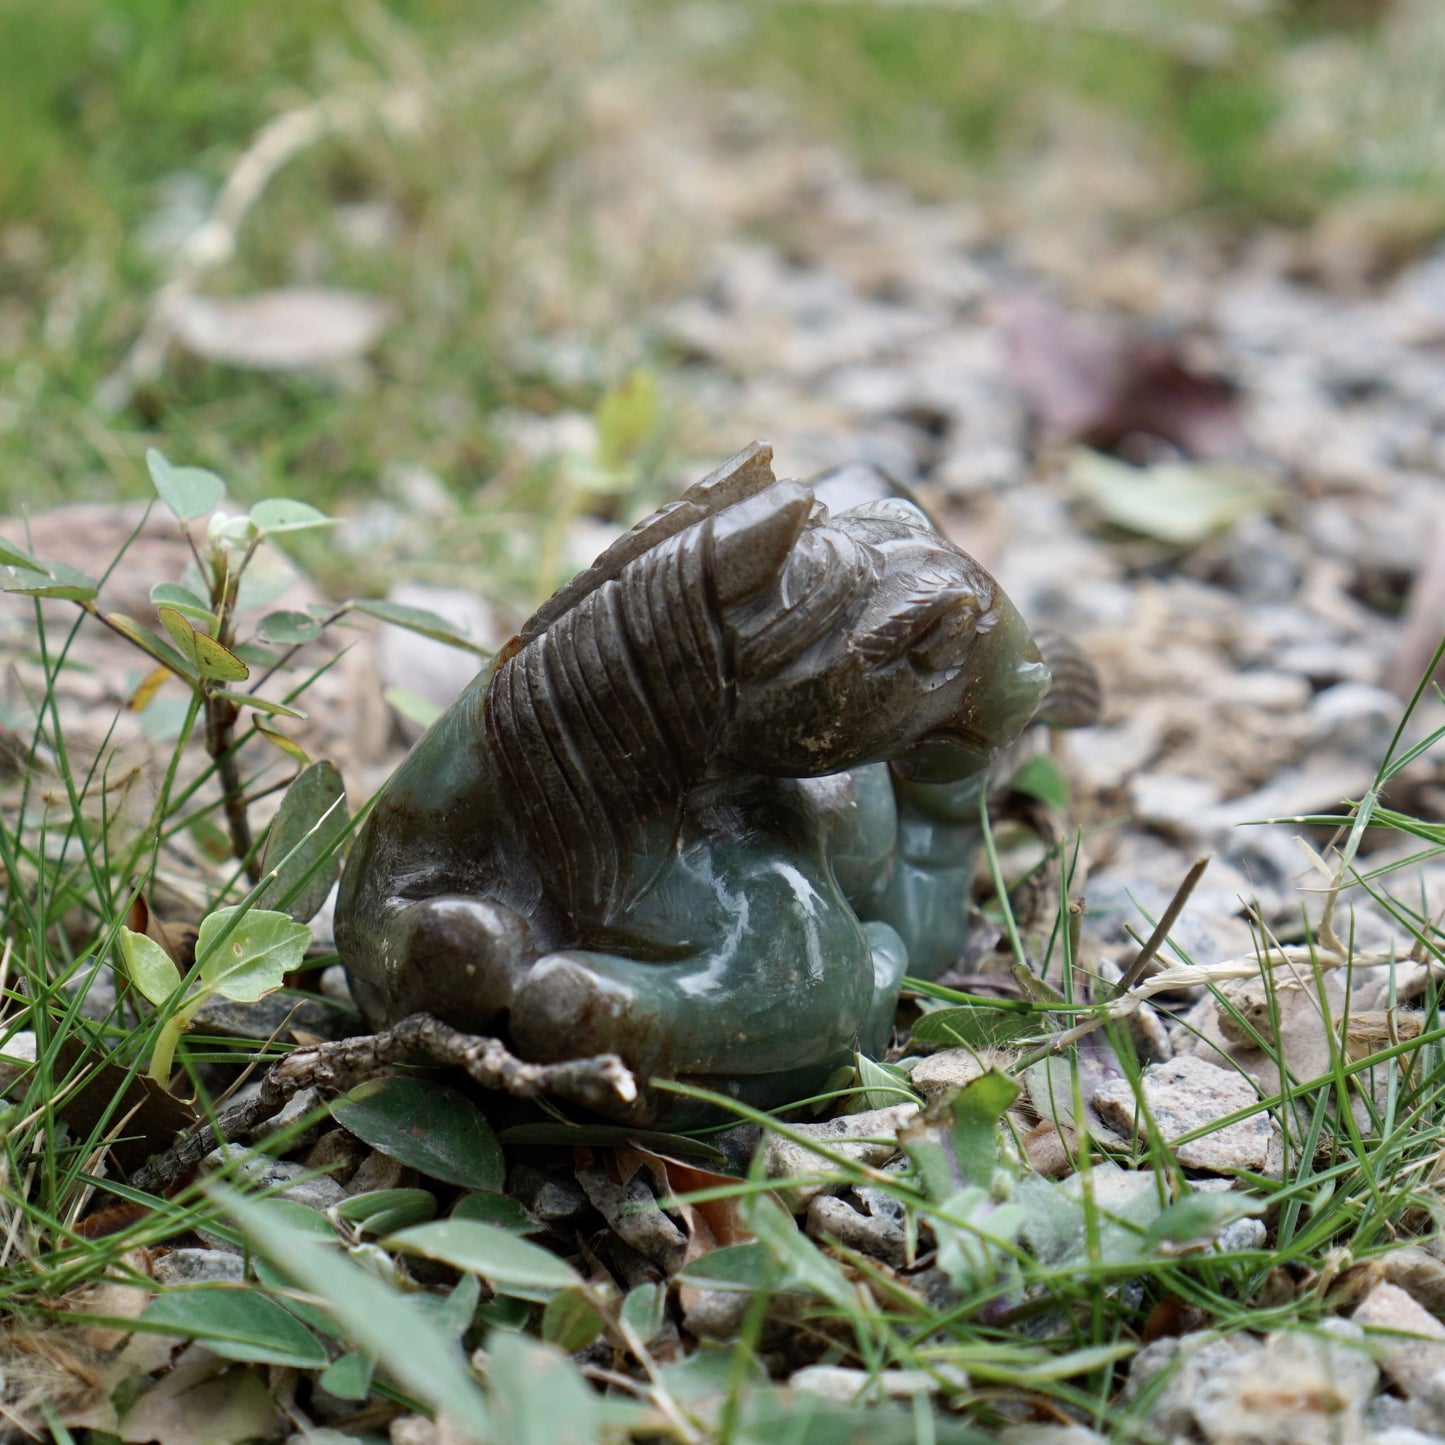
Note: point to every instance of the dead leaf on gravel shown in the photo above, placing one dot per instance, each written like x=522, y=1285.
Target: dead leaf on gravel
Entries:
x=284, y=330
x=147, y=1119
x=1287, y=1015
x=203, y=1398
x=1175, y=502
x=1049, y=1085
x=1096, y=384
x=719, y=1218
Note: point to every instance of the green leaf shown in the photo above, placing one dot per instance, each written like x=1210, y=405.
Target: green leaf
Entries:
x=289, y=746
x=882, y=1085
x=537, y=1396
x=299, y=1216
x=189, y=492
x=303, y=847
x=977, y=1027
x=1182, y=503
x=153, y=646
x=287, y=628
x=773, y=1416
x=379, y=1319
x=1192, y=1221
x=499, y=1209
x=261, y=705
x=607, y=1136
x=974, y=1233
x=148, y=966
x=503, y=1312
x=210, y=659
x=190, y=605
x=642, y=1310
x=52, y=579
x=453, y=1312
x=238, y=1324
x=416, y=619
x=12, y=556
x=1040, y=777
x=626, y=419
x=803, y=1263
x=437, y=1131
x=280, y=514
x=707, y=1373
x=218, y=663
x=382, y=1211
x=735, y=1266
x=1051, y=1367
x=413, y=706
x=257, y=955
x=348, y=1377
x=967, y=1155
x=181, y=629
x=313, y=1318
x=571, y=1321
x=977, y=1109
x=510, y=1265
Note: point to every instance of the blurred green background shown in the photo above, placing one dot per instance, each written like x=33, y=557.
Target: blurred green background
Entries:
x=456, y=189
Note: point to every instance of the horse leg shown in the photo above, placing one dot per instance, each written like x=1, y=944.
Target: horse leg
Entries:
x=706, y=1015
x=457, y=956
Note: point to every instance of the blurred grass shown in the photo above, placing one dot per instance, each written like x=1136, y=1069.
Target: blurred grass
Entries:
x=121, y=113
x=120, y=121
x=934, y=87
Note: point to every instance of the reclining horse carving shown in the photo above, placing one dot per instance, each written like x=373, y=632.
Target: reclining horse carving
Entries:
x=710, y=804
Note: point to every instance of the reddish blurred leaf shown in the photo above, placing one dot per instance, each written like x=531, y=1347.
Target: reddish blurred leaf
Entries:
x=1097, y=383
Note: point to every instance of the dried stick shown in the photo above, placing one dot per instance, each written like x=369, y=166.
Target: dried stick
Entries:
x=1131, y=974
x=1135, y=971
x=598, y=1082
x=213, y=243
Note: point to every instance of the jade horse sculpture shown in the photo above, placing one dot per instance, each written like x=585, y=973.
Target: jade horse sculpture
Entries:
x=709, y=805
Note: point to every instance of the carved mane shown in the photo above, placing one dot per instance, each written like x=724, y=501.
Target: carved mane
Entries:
x=603, y=713
x=603, y=720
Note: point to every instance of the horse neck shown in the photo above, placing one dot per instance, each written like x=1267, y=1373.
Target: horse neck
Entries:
x=604, y=721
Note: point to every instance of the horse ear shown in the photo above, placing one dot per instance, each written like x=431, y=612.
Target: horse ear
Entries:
x=752, y=539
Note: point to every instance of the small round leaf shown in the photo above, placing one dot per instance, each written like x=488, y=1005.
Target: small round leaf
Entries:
x=189, y=492
x=149, y=967
x=280, y=514
x=287, y=628
x=255, y=957
x=238, y=1325
x=437, y=1131
x=510, y=1265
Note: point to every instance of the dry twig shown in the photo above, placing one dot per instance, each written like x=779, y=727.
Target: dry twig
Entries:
x=335, y=1066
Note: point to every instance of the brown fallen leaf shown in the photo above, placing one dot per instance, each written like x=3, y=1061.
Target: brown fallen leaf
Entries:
x=147, y=1118
x=201, y=1398
x=707, y=1224
x=113, y=1219
x=1373, y=1030
x=1098, y=383
x=723, y=1217
x=1051, y=1150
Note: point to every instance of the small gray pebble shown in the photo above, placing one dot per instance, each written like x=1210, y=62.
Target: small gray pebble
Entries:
x=197, y=1266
